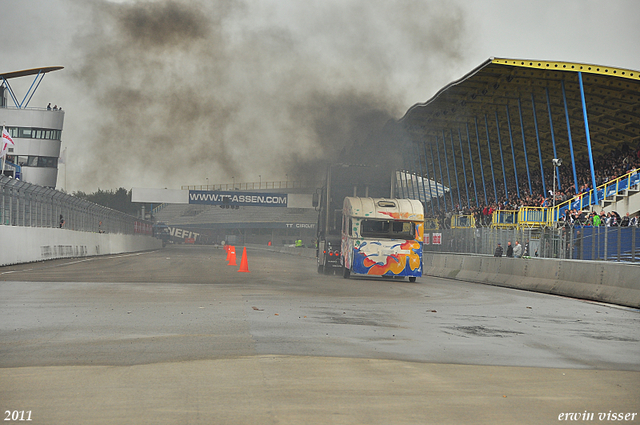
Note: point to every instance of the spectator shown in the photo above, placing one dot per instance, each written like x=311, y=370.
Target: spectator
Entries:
x=498, y=252
x=625, y=220
x=517, y=251
x=61, y=221
x=49, y=107
x=509, y=250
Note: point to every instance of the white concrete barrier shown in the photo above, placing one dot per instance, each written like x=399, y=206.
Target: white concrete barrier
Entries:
x=28, y=244
x=610, y=282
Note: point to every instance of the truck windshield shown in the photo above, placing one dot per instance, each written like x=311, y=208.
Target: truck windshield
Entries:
x=387, y=229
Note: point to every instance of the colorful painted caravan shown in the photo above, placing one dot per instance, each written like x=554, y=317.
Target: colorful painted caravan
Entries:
x=382, y=237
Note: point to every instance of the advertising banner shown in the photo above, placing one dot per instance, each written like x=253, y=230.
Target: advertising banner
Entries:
x=255, y=199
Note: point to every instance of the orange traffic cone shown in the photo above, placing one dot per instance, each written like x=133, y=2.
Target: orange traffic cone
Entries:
x=244, y=266
x=232, y=256
x=226, y=248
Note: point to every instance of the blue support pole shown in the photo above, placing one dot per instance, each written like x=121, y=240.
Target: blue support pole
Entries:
x=504, y=173
x=433, y=165
x=513, y=155
x=399, y=179
x=10, y=90
x=524, y=147
x=586, y=129
x=464, y=169
x=413, y=164
x=444, y=195
x=535, y=122
x=413, y=188
x=407, y=173
x=573, y=161
x=553, y=137
x=484, y=186
x=493, y=176
x=39, y=75
x=455, y=168
x=416, y=152
x=426, y=166
x=446, y=163
x=404, y=172
x=473, y=173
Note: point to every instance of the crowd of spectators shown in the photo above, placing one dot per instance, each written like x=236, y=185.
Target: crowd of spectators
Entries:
x=607, y=167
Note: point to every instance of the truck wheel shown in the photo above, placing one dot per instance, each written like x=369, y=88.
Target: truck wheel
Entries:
x=346, y=273
x=412, y=278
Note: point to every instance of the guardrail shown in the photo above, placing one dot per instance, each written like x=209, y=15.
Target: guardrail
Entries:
x=462, y=221
x=604, y=191
x=30, y=205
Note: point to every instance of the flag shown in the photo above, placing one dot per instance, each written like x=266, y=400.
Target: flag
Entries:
x=6, y=141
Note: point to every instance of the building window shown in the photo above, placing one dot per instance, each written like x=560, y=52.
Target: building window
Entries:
x=34, y=133
x=47, y=161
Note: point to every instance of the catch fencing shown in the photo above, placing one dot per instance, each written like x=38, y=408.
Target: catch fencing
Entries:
x=30, y=205
x=569, y=242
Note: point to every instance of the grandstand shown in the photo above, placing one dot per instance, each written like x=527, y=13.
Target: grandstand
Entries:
x=493, y=135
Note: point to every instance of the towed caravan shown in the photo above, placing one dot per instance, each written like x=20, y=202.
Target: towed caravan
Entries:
x=382, y=237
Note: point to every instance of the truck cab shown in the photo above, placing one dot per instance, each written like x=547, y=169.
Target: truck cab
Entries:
x=382, y=237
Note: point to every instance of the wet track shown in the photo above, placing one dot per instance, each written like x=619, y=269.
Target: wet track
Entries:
x=177, y=336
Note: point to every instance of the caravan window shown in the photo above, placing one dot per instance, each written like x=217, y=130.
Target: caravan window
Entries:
x=387, y=229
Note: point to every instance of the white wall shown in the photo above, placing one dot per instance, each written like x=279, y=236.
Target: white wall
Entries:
x=27, y=244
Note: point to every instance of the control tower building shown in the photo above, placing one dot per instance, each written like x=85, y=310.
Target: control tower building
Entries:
x=36, y=131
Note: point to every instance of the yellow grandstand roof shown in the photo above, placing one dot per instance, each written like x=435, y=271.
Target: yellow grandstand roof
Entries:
x=512, y=86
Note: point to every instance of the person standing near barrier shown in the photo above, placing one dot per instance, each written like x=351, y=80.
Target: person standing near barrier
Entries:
x=498, y=252
x=509, y=250
x=517, y=251
x=526, y=254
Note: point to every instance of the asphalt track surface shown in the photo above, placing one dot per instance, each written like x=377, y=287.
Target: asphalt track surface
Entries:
x=177, y=336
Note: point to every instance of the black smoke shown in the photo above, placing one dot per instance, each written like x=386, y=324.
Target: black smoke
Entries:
x=188, y=90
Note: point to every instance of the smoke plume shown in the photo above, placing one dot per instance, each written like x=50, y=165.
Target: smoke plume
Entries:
x=187, y=90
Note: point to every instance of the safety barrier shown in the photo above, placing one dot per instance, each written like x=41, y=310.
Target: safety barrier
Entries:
x=30, y=205
x=431, y=224
x=592, y=280
x=504, y=219
x=462, y=221
x=529, y=217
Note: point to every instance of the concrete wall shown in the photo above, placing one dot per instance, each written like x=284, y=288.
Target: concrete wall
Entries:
x=28, y=244
x=609, y=282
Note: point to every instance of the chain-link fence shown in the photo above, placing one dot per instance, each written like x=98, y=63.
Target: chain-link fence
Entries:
x=569, y=242
x=30, y=205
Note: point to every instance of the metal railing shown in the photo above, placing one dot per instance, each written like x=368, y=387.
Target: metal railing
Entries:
x=569, y=242
x=584, y=200
x=30, y=205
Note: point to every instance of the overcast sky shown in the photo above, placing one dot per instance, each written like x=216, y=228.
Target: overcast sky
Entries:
x=168, y=93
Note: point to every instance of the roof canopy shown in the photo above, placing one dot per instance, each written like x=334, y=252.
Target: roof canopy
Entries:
x=500, y=93
x=27, y=72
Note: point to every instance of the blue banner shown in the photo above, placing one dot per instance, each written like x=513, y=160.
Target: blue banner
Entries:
x=255, y=199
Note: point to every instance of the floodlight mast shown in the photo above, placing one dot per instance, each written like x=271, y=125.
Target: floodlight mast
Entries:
x=556, y=163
